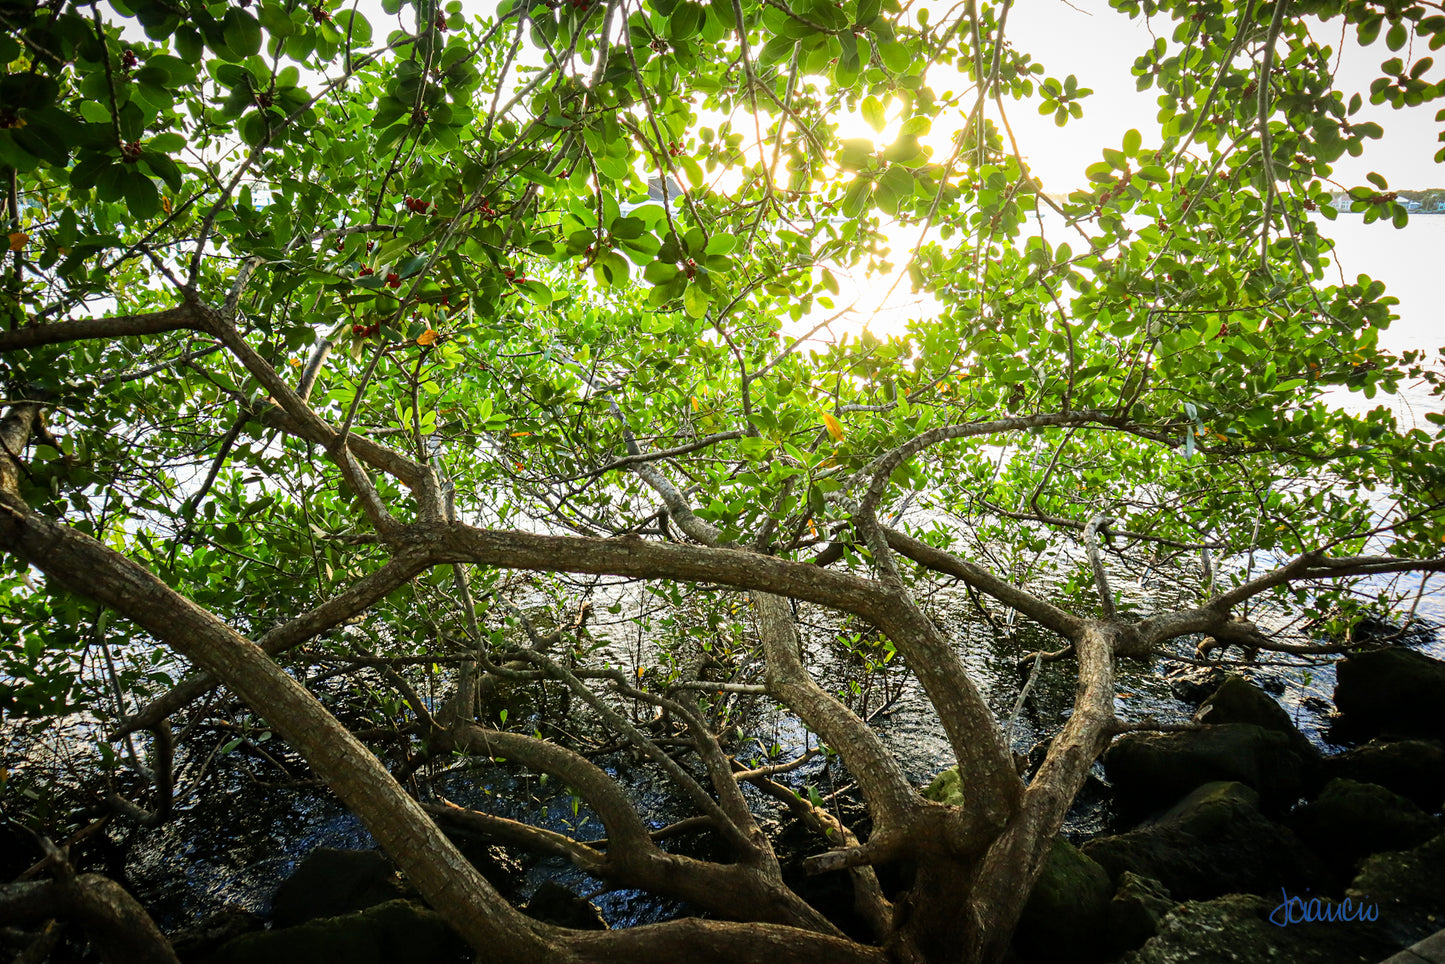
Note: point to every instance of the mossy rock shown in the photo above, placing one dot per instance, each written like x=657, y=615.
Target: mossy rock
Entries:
x=1137, y=907
x=330, y=882
x=1239, y=701
x=558, y=905
x=1409, y=888
x=1214, y=842
x=1411, y=768
x=1151, y=771
x=1391, y=691
x=1350, y=820
x=1236, y=929
x=1067, y=913
x=947, y=788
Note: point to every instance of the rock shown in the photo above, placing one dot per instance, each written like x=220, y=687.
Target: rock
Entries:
x=1150, y=771
x=1411, y=768
x=1391, y=691
x=396, y=932
x=1351, y=820
x=1193, y=685
x=1239, y=701
x=947, y=788
x=1408, y=887
x=1214, y=842
x=331, y=882
x=1271, y=684
x=1371, y=629
x=501, y=869
x=196, y=940
x=1066, y=916
x=1237, y=928
x=1135, y=910
x=556, y=904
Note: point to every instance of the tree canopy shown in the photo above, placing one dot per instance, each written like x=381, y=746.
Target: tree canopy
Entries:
x=318, y=327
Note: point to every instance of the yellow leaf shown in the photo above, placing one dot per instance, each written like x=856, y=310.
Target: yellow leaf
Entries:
x=520, y=434
x=427, y=337
x=166, y=204
x=835, y=428
x=18, y=239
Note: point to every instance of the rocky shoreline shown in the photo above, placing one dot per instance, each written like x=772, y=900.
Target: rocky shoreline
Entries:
x=1241, y=841
x=1232, y=838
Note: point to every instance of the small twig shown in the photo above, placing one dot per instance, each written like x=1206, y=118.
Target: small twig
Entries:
x=1099, y=523
x=1008, y=733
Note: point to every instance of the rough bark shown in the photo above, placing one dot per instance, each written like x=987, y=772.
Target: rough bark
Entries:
x=180, y=318
x=1012, y=864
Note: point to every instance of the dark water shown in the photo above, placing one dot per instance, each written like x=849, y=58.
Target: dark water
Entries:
x=250, y=824
x=242, y=838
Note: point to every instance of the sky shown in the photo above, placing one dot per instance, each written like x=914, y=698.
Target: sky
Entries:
x=1098, y=45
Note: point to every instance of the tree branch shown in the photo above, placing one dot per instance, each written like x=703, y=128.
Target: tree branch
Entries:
x=183, y=317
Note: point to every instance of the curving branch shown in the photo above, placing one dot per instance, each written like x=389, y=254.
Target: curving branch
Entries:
x=356, y=598
x=1039, y=610
x=122, y=931
x=1009, y=869
x=885, y=786
x=632, y=858
x=163, y=768
x=696, y=940
x=631, y=460
x=878, y=471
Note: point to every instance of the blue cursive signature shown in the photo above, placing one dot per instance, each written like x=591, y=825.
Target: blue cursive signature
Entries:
x=1297, y=910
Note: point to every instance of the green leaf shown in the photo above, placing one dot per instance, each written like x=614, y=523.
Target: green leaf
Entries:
x=873, y=113
x=611, y=268
x=537, y=292
x=685, y=21
x=695, y=301
x=855, y=154
x=242, y=32
x=28, y=91
x=659, y=272
x=164, y=168
x=894, y=187
x=110, y=181
x=411, y=266
x=276, y=20
x=624, y=227
x=141, y=195
x=856, y=197
x=896, y=57
x=720, y=244
x=351, y=23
